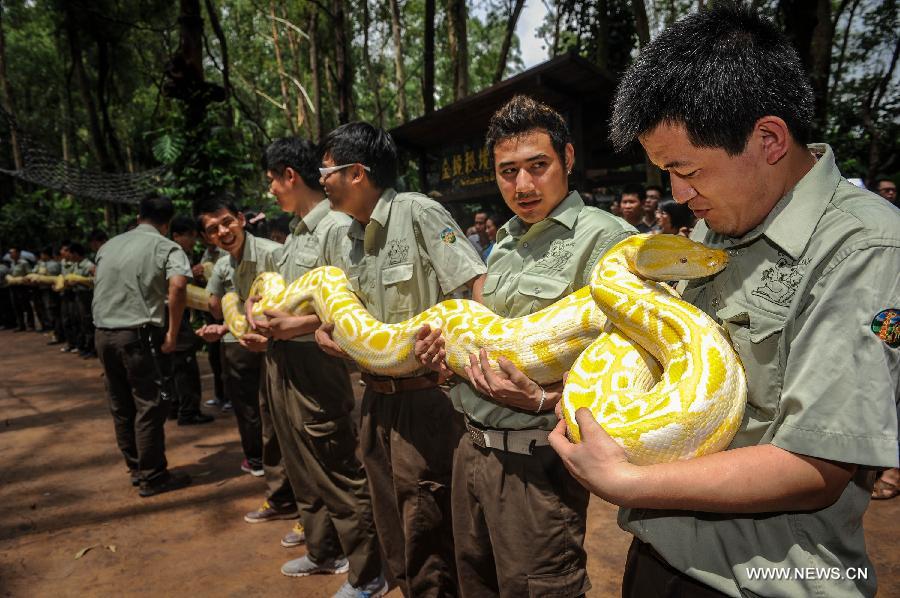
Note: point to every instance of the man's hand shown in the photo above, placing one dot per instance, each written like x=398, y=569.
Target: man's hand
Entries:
x=212, y=332
x=283, y=326
x=429, y=350
x=168, y=345
x=197, y=272
x=598, y=463
x=254, y=342
x=510, y=386
x=248, y=311
x=326, y=342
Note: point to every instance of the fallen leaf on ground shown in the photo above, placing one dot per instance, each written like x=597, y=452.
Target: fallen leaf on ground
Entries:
x=84, y=551
x=112, y=548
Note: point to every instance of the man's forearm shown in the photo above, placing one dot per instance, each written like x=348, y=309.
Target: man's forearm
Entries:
x=757, y=479
x=177, y=302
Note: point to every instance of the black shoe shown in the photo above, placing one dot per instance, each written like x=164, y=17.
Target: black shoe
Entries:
x=135, y=478
x=171, y=481
x=193, y=420
x=55, y=342
x=87, y=355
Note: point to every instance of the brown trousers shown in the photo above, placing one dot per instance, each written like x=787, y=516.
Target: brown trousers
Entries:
x=647, y=575
x=311, y=400
x=408, y=440
x=519, y=524
x=133, y=382
x=243, y=375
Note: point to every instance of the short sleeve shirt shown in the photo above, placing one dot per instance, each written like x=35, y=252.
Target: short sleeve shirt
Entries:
x=318, y=239
x=53, y=268
x=20, y=268
x=411, y=255
x=804, y=299
x=231, y=275
x=130, y=285
x=83, y=268
x=530, y=268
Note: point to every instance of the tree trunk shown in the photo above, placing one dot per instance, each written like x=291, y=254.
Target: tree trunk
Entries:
x=294, y=45
x=286, y=99
x=370, y=72
x=398, y=60
x=603, y=34
x=459, y=47
x=839, y=70
x=109, y=132
x=870, y=110
x=507, y=40
x=223, y=44
x=344, y=62
x=808, y=25
x=641, y=23
x=94, y=130
x=312, y=29
x=8, y=100
x=428, y=78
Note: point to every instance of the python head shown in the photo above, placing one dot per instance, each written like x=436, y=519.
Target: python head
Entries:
x=674, y=257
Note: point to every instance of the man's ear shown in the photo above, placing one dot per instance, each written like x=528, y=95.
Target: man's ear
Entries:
x=359, y=173
x=774, y=137
x=570, y=158
x=242, y=219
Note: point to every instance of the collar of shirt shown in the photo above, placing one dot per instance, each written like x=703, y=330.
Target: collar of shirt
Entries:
x=377, y=221
x=147, y=228
x=248, y=252
x=791, y=222
x=565, y=213
x=312, y=218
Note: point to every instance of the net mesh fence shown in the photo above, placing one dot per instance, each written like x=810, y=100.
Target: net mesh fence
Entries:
x=42, y=168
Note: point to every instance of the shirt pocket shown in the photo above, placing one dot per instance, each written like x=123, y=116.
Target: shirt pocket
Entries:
x=491, y=282
x=756, y=336
x=398, y=292
x=305, y=261
x=542, y=290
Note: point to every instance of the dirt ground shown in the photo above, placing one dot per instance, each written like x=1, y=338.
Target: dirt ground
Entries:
x=64, y=488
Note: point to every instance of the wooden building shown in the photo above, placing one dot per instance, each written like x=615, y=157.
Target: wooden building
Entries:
x=448, y=145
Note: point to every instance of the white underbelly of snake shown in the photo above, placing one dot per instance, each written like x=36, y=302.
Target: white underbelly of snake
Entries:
x=658, y=374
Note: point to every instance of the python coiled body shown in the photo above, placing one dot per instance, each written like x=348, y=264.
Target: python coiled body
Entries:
x=642, y=357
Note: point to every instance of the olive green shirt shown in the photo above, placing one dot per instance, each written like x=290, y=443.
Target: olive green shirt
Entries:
x=130, y=285
x=530, y=268
x=318, y=239
x=798, y=299
x=84, y=268
x=231, y=275
x=20, y=268
x=48, y=268
x=410, y=256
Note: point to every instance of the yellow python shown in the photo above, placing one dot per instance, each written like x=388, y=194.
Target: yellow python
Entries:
x=663, y=380
x=547, y=343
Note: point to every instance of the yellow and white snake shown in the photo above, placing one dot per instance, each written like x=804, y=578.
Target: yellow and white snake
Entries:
x=658, y=373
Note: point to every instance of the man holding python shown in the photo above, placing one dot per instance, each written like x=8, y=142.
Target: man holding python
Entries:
x=518, y=517
x=721, y=102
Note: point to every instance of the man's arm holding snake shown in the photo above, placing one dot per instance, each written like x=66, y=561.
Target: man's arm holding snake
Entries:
x=754, y=479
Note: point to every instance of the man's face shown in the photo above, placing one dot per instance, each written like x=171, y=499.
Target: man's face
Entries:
x=888, y=190
x=337, y=186
x=532, y=178
x=14, y=254
x=480, y=220
x=650, y=202
x=224, y=229
x=733, y=194
x=186, y=241
x=632, y=208
x=280, y=185
x=490, y=229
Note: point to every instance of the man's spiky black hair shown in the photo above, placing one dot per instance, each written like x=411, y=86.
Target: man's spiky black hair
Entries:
x=716, y=72
x=298, y=154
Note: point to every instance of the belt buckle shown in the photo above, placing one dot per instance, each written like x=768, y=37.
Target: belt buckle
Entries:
x=393, y=390
x=477, y=437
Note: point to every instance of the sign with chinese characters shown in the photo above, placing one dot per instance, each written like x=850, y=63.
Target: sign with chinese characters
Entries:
x=461, y=168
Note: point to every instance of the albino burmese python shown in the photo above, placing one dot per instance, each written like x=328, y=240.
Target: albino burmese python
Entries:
x=658, y=373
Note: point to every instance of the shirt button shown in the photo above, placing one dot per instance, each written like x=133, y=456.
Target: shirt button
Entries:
x=525, y=245
x=537, y=289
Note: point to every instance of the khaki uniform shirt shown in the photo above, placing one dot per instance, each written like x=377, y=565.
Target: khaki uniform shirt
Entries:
x=130, y=286
x=20, y=268
x=230, y=275
x=799, y=298
x=84, y=268
x=318, y=239
x=410, y=256
x=4, y=272
x=531, y=268
x=52, y=268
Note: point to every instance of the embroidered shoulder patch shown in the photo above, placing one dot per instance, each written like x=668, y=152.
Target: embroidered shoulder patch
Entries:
x=887, y=326
x=448, y=236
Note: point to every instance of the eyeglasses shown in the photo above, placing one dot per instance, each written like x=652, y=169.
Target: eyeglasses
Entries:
x=324, y=172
